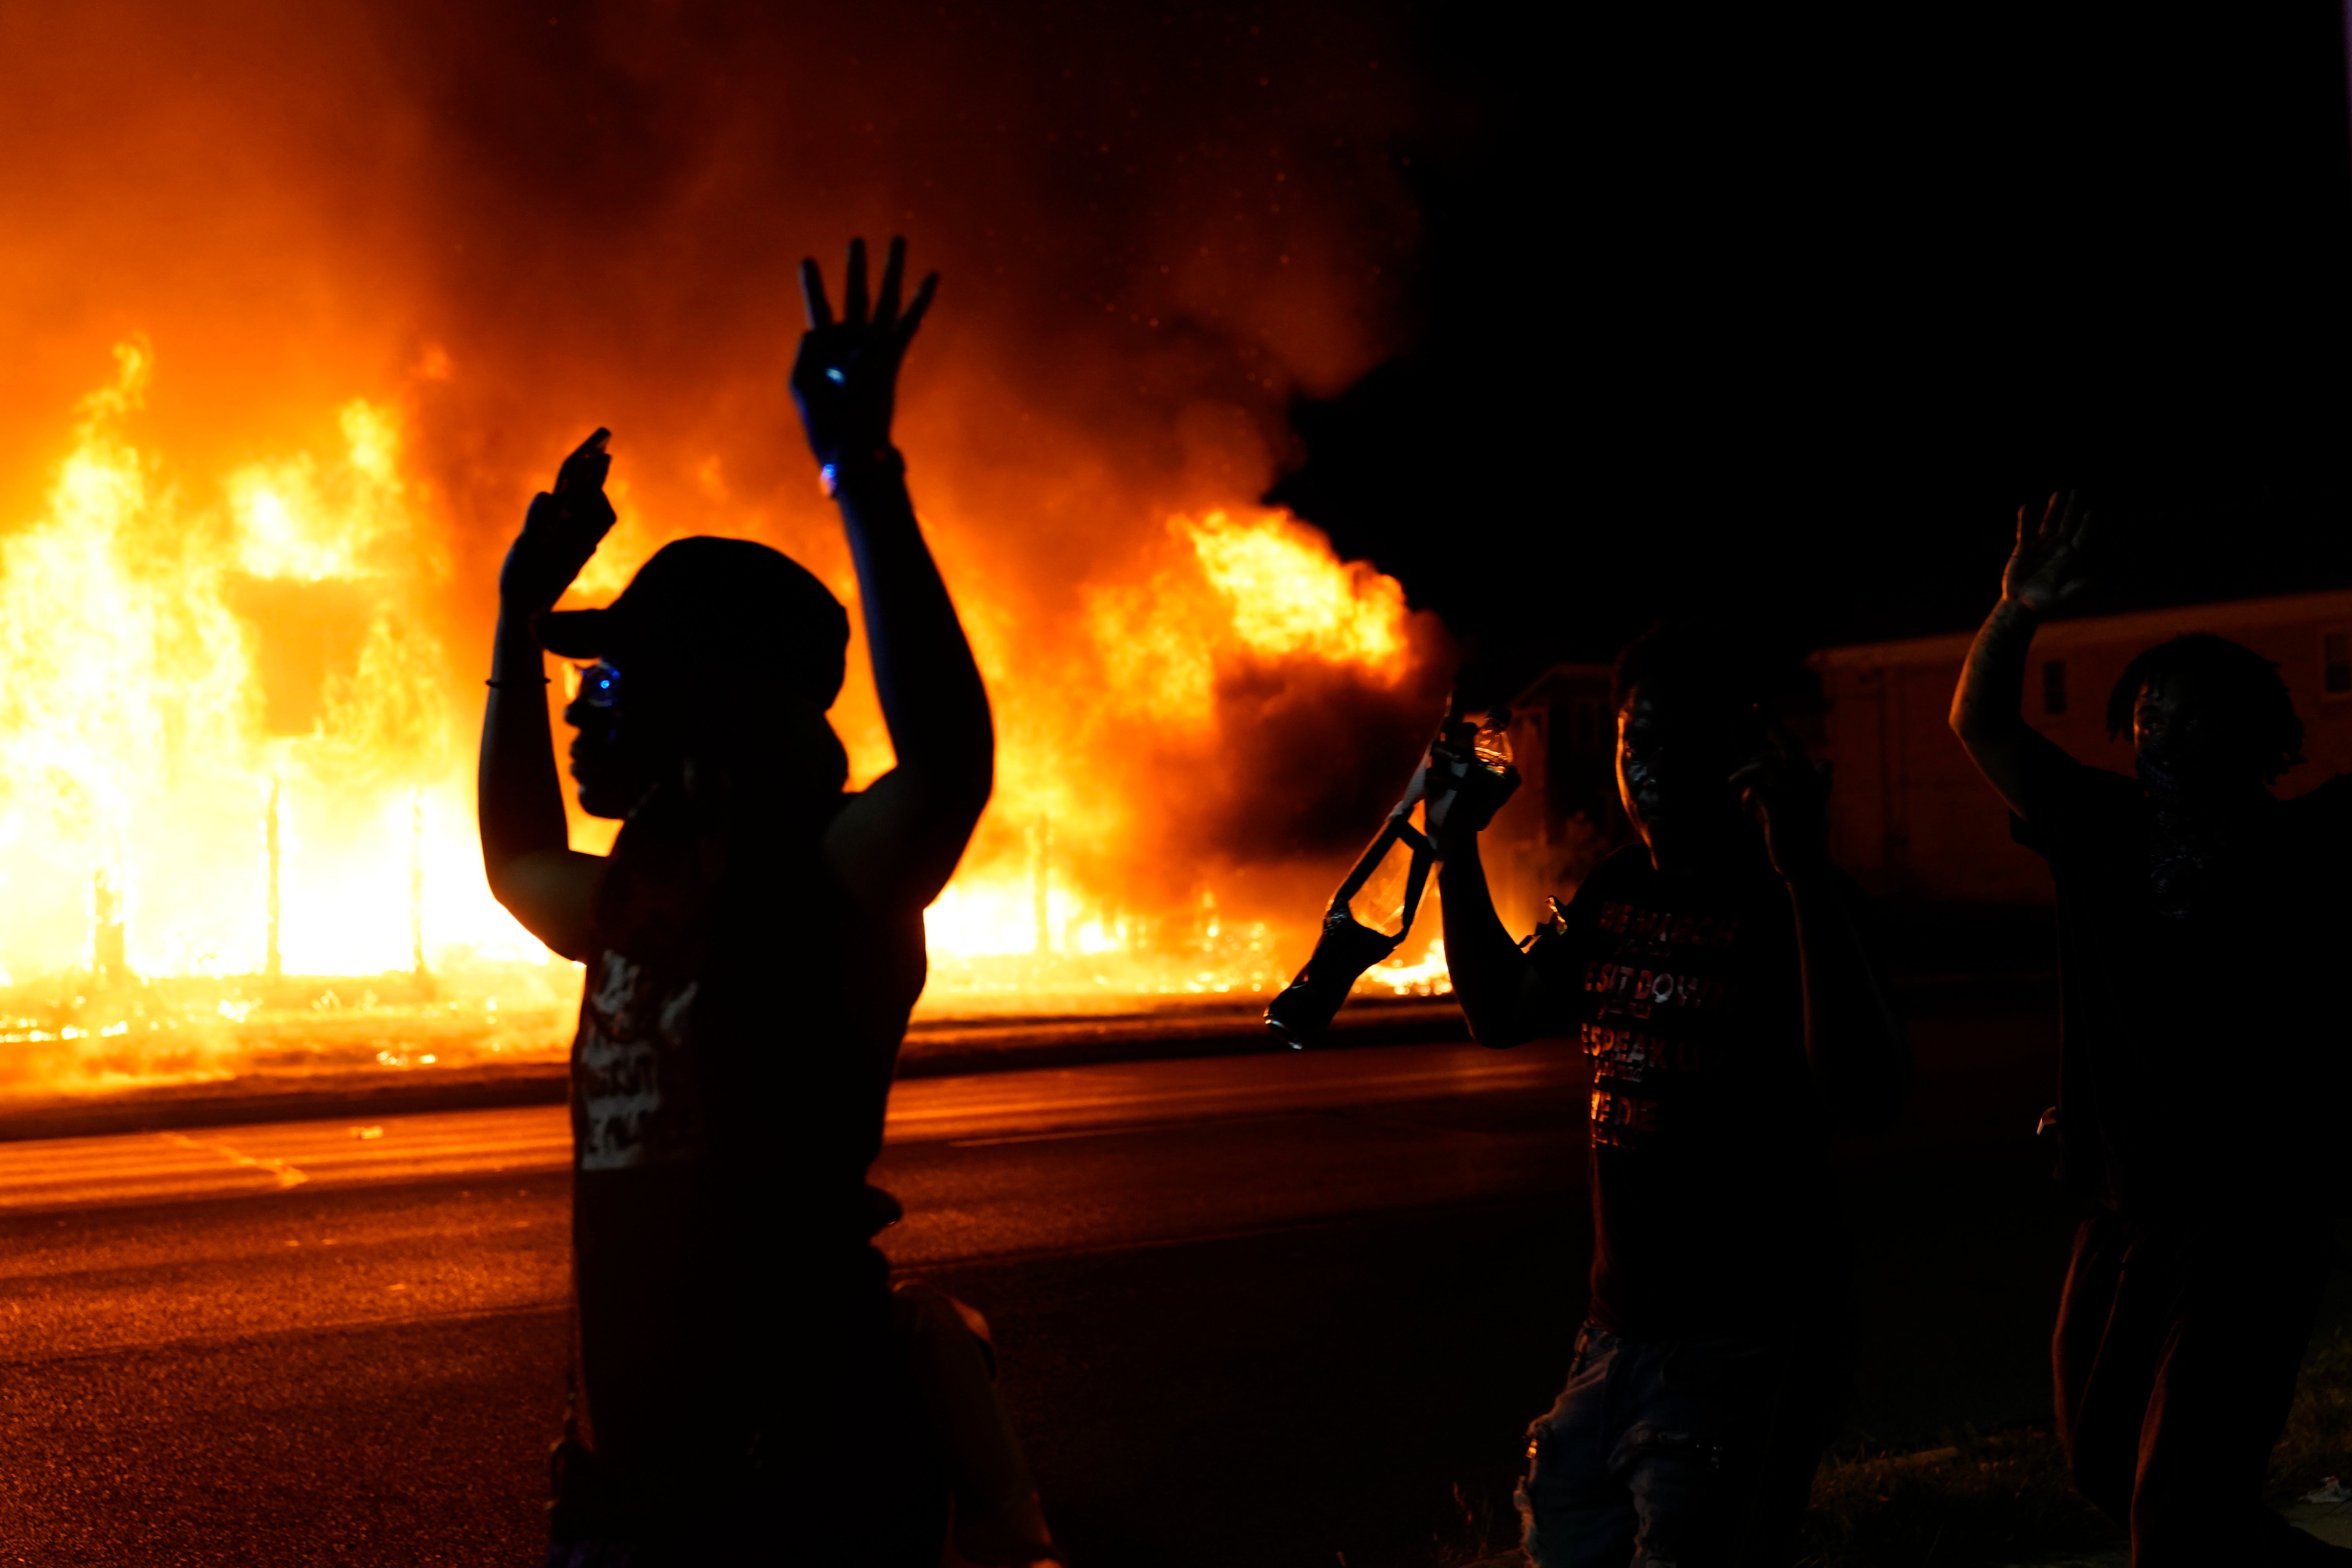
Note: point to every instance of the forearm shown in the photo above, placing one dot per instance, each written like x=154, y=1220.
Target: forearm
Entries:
x=1990, y=700
x=1488, y=971
x=930, y=691
x=519, y=798
x=1859, y=1051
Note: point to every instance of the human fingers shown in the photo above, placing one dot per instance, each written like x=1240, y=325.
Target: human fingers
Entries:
x=916, y=307
x=539, y=518
x=894, y=266
x=2076, y=513
x=586, y=464
x=812, y=299
x=852, y=287
x=2049, y=516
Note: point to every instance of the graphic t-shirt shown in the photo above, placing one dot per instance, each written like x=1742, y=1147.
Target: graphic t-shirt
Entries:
x=635, y=1099
x=2205, y=1042
x=1710, y=1197
x=738, y=1033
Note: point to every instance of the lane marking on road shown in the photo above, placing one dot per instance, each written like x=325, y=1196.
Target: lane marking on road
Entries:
x=1189, y=1091
x=1029, y=1105
x=288, y=1176
x=1037, y=1137
x=270, y=1158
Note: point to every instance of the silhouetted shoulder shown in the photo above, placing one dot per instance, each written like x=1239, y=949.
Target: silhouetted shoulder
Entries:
x=2321, y=819
x=2332, y=800
x=2065, y=799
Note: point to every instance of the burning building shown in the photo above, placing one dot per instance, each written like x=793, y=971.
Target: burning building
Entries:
x=310, y=303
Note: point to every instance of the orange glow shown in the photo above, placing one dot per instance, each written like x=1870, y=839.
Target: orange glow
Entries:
x=374, y=272
x=154, y=643
x=1288, y=597
x=183, y=659
x=1250, y=588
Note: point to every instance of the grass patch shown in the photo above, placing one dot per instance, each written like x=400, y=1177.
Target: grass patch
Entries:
x=1985, y=1501
x=1990, y=1500
x=2317, y=1442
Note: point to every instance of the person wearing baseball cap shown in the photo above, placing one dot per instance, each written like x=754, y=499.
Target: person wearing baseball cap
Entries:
x=732, y=650
x=753, y=944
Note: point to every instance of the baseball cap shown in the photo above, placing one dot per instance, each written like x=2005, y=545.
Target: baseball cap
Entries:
x=706, y=606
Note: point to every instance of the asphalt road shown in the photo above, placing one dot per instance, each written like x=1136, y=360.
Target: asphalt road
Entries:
x=1259, y=1310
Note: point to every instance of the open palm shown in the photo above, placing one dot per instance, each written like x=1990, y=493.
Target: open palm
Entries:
x=2047, y=568
x=845, y=378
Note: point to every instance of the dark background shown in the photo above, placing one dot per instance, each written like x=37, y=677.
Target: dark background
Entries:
x=1778, y=319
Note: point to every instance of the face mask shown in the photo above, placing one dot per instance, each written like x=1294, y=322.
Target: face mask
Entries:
x=2189, y=765
x=2195, y=780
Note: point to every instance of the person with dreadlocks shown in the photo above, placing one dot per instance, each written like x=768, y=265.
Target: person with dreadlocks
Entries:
x=2200, y=920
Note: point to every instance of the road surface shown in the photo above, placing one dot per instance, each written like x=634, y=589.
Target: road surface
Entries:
x=1258, y=1310
x=333, y=1341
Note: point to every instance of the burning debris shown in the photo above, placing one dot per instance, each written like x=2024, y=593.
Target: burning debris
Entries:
x=241, y=585
x=272, y=792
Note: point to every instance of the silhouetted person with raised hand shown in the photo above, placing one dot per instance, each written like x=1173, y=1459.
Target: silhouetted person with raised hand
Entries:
x=753, y=945
x=1717, y=975
x=2201, y=926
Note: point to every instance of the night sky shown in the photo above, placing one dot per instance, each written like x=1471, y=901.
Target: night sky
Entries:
x=1778, y=319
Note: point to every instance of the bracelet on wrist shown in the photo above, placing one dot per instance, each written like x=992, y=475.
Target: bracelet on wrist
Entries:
x=493, y=683
x=851, y=469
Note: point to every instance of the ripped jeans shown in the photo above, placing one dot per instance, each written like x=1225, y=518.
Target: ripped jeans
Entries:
x=1698, y=1453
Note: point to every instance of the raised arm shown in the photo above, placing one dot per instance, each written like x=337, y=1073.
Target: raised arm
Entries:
x=1988, y=707
x=897, y=844
x=526, y=848
x=1494, y=981
x=1855, y=1043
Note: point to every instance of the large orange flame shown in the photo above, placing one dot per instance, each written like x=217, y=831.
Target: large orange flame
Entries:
x=231, y=748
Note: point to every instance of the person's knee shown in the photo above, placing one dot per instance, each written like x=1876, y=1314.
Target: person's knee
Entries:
x=1723, y=1471
x=1571, y=1514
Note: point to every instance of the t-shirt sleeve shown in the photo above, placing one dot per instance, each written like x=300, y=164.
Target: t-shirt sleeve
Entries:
x=2325, y=820
x=2053, y=784
x=2331, y=806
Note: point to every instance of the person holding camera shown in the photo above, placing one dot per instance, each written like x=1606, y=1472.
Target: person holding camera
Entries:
x=1716, y=973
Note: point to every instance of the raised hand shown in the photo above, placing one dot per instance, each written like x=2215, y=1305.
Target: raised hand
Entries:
x=1788, y=794
x=560, y=531
x=1464, y=791
x=2047, y=568
x=845, y=377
